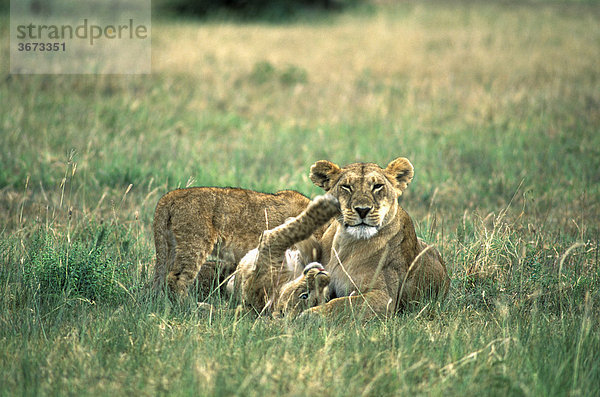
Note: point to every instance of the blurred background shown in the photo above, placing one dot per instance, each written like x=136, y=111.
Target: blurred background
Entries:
x=489, y=100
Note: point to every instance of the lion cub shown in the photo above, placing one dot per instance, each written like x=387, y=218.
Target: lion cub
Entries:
x=189, y=224
x=267, y=277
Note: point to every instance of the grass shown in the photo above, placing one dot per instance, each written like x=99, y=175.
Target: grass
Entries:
x=497, y=107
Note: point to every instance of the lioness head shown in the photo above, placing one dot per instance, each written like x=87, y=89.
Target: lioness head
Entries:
x=368, y=194
x=306, y=291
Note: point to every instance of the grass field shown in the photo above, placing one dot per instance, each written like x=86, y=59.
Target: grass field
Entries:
x=496, y=105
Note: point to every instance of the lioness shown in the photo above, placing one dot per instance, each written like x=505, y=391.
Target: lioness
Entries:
x=189, y=224
x=371, y=250
x=270, y=277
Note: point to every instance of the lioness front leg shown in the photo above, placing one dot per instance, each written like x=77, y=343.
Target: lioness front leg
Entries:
x=375, y=303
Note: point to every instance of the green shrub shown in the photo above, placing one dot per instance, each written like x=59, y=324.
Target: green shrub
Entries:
x=264, y=72
x=293, y=75
x=82, y=269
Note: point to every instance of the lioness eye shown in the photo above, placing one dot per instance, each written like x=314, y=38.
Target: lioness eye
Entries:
x=303, y=295
x=377, y=186
x=347, y=188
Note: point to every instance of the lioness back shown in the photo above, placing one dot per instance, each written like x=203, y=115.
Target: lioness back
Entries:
x=189, y=224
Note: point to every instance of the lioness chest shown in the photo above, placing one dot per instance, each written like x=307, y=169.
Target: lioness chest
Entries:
x=355, y=265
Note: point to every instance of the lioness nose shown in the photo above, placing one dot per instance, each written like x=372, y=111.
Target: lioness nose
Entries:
x=362, y=211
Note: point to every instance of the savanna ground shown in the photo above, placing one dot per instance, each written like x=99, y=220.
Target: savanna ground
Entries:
x=496, y=105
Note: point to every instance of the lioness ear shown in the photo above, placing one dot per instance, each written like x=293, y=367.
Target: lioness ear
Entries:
x=401, y=172
x=323, y=173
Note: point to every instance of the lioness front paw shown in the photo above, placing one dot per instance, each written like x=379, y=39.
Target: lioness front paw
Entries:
x=203, y=306
x=311, y=313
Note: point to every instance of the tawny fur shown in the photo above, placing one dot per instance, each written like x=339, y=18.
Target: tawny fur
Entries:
x=267, y=277
x=190, y=224
x=370, y=247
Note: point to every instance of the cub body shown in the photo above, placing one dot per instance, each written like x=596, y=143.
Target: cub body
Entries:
x=271, y=278
x=189, y=224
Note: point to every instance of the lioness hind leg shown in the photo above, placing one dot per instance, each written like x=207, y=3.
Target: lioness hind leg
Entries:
x=190, y=253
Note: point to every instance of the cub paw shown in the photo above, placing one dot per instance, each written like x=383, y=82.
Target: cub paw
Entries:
x=327, y=202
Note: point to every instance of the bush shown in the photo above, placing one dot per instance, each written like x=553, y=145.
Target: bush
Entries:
x=264, y=72
x=271, y=9
x=81, y=269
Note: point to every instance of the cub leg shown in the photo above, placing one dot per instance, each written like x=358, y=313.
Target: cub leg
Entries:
x=191, y=251
x=163, y=253
x=275, y=242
